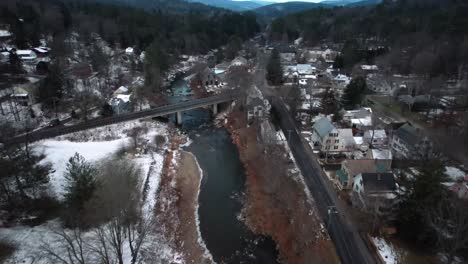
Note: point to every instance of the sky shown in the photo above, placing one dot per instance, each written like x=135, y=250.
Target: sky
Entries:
x=283, y=1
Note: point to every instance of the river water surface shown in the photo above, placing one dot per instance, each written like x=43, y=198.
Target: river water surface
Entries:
x=227, y=238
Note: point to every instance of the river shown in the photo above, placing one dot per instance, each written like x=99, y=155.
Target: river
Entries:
x=225, y=235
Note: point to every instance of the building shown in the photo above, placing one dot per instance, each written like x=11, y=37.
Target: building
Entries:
x=239, y=61
x=330, y=140
x=26, y=55
x=360, y=119
x=288, y=58
x=305, y=69
x=376, y=138
x=351, y=168
x=375, y=192
x=409, y=142
x=257, y=106
x=121, y=103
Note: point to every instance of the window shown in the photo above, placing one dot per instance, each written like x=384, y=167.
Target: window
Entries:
x=328, y=141
x=335, y=147
x=331, y=134
x=337, y=141
x=327, y=148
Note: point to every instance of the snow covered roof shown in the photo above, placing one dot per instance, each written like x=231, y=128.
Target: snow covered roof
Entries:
x=369, y=67
x=375, y=134
x=322, y=127
x=5, y=33
x=41, y=50
x=362, y=121
x=121, y=90
x=305, y=68
x=454, y=173
x=24, y=52
x=346, y=134
x=239, y=61
x=129, y=50
x=381, y=154
x=358, y=140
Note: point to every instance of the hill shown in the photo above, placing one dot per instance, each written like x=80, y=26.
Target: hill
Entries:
x=281, y=9
x=422, y=36
x=232, y=5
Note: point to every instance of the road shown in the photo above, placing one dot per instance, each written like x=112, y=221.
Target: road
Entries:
x=349, y=244
x=159, y=111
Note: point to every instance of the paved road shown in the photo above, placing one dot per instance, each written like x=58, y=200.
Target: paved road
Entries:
x=159, y=111
x=350, y=246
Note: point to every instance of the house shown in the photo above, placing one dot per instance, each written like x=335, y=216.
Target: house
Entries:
x=42, y=52
x=369, y=68
x=239, y=61
x=129, y=51
x=209, y=77
x=288, y=58
x=305, y=69
x=409, y=142
x=330, y=140
x=121, y=103
x=26, y=55
x=22, y=96
x=376, y=138
x=375, y=192
x=257, y=106
x=342, y=79
x=380, y=154
x=360, y=119
x=81, y=76
x=350, y=168
x=290, y=74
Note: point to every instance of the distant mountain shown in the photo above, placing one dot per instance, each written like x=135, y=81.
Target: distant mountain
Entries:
x=281, y=9
x=351, y=2
x=166, y=6
x=233, y=5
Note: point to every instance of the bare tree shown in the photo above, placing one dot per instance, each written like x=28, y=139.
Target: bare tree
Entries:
x=135, y=134
x=71, y=248
x=449, y=221
x=85, y=100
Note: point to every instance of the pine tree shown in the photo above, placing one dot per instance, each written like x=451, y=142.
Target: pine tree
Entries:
x=274, y=69
x=329, y=102
x=80, y=183
x=354, y=92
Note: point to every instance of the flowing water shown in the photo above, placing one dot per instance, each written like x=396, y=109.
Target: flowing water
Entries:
x=225, y=235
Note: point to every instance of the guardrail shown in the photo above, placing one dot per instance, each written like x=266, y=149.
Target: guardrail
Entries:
x=159, y=111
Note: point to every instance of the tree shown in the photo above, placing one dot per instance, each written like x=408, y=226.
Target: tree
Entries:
x=329, y=102
x=135, y=134
x=274, y=70
x=51, y=88
x=419, y=195
x=353, y=92
x=449, y=222
x=85, y=100
x=99, y=60
x=15, y=64
x=232, y=48
x=80, y=184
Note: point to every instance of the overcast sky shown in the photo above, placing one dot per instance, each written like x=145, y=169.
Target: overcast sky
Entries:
x=282, y=1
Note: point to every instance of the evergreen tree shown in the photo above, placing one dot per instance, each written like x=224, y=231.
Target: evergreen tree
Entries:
x=51, y=87
x=354, y=92
x=329, y=102
x=274, y=69
x=420, y=194
x=80, y=183
x=16, y=66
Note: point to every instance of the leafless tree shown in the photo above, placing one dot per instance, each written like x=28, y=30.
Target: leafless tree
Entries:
x=135, y=134
x=449, y=221
x=71, y=248
x=85, y=100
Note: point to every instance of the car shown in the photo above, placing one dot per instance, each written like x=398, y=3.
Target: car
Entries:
x=54, y=122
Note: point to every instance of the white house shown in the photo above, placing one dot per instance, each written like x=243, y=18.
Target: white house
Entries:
x=129, y=51
x=328, y=139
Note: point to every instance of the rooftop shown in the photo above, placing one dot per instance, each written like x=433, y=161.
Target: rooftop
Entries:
x=378, y=182
x=323, y=126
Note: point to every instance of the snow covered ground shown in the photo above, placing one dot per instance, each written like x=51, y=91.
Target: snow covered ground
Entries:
x=386, y=251
x=101, y=143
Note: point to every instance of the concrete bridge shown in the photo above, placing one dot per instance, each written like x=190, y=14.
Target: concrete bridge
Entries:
x=176, y=108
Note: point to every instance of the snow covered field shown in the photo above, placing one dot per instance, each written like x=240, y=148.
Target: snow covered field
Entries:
x=386, y=251
x=101, y=143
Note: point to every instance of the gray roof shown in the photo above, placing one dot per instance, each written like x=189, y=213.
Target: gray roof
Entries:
x=408, y=134
x=378, y=182
x=323, y=127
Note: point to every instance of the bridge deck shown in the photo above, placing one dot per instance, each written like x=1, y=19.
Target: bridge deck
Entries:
x=159, y=111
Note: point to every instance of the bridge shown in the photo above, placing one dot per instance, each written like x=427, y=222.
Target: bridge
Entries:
x=176, y=108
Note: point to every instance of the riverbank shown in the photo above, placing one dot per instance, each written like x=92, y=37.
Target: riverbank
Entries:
x=277, y=202
x=179, y=188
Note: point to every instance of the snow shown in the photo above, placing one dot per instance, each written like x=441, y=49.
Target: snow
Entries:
x=58, y=153
x=5, y=33
x=386, y=251
x=454, y=173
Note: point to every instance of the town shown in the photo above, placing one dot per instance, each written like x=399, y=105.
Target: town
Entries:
x=194, y=132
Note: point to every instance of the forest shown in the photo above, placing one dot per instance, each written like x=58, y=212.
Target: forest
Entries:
x=430, y=34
